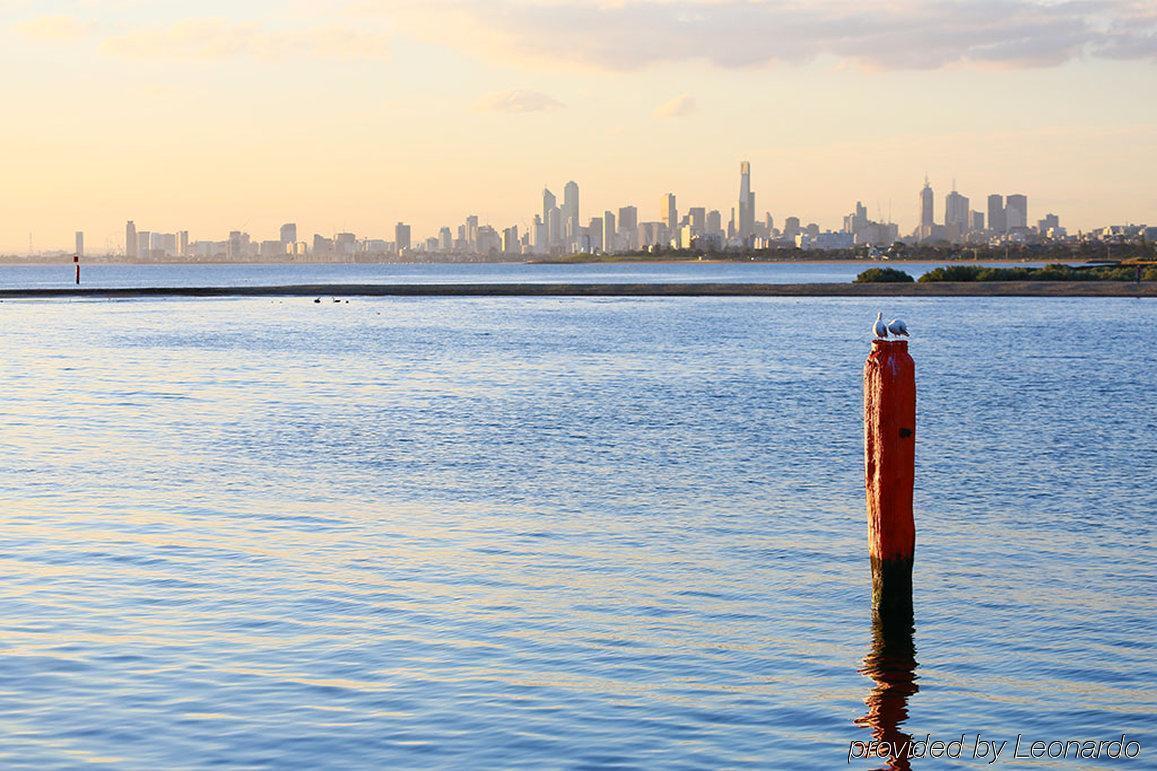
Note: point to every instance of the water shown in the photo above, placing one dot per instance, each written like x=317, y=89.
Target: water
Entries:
x=126, y=276
x=561, y=532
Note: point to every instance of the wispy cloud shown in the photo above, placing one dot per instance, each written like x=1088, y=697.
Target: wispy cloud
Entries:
x=58, y=28
x=219, y=38
x=678, y=107
x=899, y=34
x=518, y=102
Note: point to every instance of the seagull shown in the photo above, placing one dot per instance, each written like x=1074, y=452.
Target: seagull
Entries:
x=880, y=328
x=898, y=328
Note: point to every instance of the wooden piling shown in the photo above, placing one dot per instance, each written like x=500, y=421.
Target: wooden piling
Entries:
x=890, y=473
x=76, y=261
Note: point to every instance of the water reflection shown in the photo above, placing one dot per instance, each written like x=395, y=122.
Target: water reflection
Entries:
x=891, y=663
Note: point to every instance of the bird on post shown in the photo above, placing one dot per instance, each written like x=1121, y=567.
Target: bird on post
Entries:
x=880, y=328
x=898, y=328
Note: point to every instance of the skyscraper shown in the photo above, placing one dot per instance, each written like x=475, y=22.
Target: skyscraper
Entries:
x=570, y=212
x=609, y=231
x=131, y=240
x=669, y=212
x=288, y=234
x=927, y=206
x=956, y=214
x=997, y=218
x=549, y=204
x=402, y=237
x=629, y=227
x=80, y=243
x=1017, y=211
x=746, y=224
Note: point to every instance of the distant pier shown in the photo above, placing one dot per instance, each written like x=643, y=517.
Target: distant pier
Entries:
x=934, y=289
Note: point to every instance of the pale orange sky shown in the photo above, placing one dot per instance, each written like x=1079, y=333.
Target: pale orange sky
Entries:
x=214, y=116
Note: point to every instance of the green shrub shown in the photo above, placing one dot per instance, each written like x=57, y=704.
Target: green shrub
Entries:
x=884, y=276
x=951, y=273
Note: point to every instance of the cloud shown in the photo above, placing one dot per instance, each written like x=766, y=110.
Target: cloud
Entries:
x=678, y=107
x=53, y=29
x=218, y=39
x=519, y=102
x=898, y=34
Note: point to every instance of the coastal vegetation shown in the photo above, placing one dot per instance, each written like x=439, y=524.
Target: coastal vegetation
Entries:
x=884, y=276
x=1051, y=272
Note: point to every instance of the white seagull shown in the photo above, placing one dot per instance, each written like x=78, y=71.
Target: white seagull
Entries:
x=880, y=328
x=898, y=328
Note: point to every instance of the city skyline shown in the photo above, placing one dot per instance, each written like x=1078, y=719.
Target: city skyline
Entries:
x=217, y=117
x=558, y=230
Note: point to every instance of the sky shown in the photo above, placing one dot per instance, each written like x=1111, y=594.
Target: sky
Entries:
x=352, y=115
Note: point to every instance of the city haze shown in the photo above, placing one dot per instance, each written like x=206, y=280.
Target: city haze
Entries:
x=211, y=118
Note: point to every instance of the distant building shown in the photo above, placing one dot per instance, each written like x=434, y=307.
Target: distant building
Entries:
x=791, y=228
x=956, y=220
x=549, y=213
x=402, y=237
x=570, y=213
x=927, y=206
x=997, y=218
x=79, y=243
x=131, y=251
x=629, y=228
x=1017, y=211
x=975, y=221
x=288, y=236
x=746, y=225
x=669, y=212
x=610, y=233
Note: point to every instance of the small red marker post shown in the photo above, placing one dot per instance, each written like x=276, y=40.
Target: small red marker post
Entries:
x=890, y=473
x=76, y=261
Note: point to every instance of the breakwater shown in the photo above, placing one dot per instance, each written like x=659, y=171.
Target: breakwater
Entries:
x=936, y=289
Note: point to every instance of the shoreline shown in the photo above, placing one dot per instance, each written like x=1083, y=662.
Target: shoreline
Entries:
x=933, y=289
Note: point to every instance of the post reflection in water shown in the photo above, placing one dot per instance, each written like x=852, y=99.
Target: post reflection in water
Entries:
x=891, y=663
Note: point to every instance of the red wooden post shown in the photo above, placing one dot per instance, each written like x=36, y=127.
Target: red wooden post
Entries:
x=76, y=260
x=890, y=472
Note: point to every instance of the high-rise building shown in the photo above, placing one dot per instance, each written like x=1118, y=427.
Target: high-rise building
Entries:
x=288, y=234
x=570, y=212
x=714, y=222
x=1017, y=211
x=927, y=206
x=669, y=212
x=402, y=237
x=183, y=243
x=976, y=221
x=955, y=215
x=595, y=235
x=791, y=227
x=997, y=217
x=1051, y=222
x=746, y=224
x=445, y=240
x=472, y=231
x=79, y=243
x=131, y=241
x=697, y=218
x=629, y=228
x=610, y=238
x=549, y=204
x=541, y=244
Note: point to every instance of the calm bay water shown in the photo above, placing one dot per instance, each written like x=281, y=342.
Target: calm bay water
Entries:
x=122, y=276
x=560, y=533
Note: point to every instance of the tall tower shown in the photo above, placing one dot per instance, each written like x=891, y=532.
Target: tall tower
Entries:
x=997, y=219
x=669, y=212
x=131, y=240
x=927, y=206
x=570, y=210
x=1017, y=211
x=80, y=243
x=549, y=204
x=746, y=224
